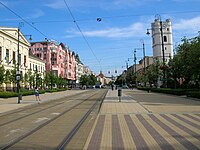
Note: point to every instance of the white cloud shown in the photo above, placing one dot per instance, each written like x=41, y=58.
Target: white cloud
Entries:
x=37, y=14
x=58, y=4
x=191, y=24
x=134, y=30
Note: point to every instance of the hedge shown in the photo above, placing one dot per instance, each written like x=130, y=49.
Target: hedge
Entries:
x=194, y=94
x=23, y=93
x=189, y=92
x=170, y=91
x=8, y=94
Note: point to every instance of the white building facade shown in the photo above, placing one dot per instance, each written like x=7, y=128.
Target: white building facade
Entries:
x=9, y=54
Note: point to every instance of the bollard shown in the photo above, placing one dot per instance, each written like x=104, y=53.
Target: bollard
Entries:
x=120, y=94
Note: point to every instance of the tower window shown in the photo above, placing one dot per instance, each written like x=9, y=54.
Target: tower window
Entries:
x=165, y=38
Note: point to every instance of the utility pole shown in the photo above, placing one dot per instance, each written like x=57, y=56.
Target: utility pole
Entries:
x=135, y=67
x=163, y=53
x=18, y=75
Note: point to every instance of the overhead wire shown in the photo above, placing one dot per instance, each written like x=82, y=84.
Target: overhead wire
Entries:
x=109, y=17
x=23, y=19
x=78, y=27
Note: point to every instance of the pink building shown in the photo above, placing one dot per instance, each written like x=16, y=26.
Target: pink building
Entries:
x=58, y=58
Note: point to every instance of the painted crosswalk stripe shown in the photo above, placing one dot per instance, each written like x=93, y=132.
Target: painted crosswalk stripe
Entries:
x=192, y=117
x=182, y=140
x=187, y=121
x=95, y=141
x=137, y=137
x=182, y=127
x=155, y=134
x=117, y=141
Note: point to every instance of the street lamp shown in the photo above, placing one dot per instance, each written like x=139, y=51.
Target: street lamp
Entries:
x=135, y=67
x=143, y=48
x=162, y=43
x=18, y=74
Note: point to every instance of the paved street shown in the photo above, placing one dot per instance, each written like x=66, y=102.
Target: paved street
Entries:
x=8, y=104
x=140, y=121
x=146, y=121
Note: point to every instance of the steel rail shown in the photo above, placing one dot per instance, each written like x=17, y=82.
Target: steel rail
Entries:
x=35, y=112
x=14, y=141
x=31, y=107
x=78, y=125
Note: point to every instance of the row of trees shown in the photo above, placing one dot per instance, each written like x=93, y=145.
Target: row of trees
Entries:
x=88, y=80
x=182, y=71
x=29, y=79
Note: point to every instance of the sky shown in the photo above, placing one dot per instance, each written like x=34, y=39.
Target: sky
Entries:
x=105, y=45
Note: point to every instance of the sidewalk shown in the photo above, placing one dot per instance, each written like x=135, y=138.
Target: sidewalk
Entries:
x=129, y=125
x=9, y=104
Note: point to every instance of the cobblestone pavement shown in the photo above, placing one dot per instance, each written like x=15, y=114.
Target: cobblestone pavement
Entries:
x=146, y=121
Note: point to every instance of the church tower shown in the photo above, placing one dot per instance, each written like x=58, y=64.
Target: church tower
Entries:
x=157, y=40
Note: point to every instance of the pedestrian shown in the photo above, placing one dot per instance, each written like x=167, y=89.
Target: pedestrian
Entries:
x=112, y=86
x=37, y=94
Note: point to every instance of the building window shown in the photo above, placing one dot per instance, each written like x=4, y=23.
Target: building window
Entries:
x=45, y=56
x=36, y=68
x=14, y=57
x=7, y=56
x=153, y=41
x=165, y=38
x=69, y=74
x=24, y=60
x=33, y=67
x=167, y=29
x=30, y=66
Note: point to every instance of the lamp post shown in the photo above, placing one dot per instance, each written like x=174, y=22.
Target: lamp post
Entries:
x=162, y=46
x=135, y=67
x=18, y=74
x=143, y=48
x=51, y=72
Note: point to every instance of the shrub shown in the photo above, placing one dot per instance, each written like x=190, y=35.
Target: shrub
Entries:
x=195, y=94
x=170, y=91
x=8, y=94
x=165, y=90
x=51, y=91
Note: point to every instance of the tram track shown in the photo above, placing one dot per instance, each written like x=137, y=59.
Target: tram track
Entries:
x=78, y=125
x=33, y=109
x=81, y=103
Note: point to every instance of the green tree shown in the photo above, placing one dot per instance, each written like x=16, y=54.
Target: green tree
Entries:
x=92, y=80
x=12, y=76
x=7, y=76
x=2, y=75
x=186, y=62
x=84, y=80
x=153, y=73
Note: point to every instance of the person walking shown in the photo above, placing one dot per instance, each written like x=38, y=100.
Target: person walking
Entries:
x=37, y=95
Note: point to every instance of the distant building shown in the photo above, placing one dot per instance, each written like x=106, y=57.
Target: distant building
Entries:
x=102, y=79
x=148, y=61
x=59, y=59
x=157, y=40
